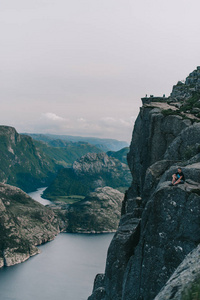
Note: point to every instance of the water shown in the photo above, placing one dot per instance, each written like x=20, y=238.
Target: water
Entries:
x=37, y=196
x=65, y=270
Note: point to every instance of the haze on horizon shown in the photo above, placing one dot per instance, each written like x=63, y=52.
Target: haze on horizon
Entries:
x=80, y=67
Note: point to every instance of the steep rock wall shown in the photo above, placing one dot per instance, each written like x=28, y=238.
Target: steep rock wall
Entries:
x=158, y=222
x=153, y=133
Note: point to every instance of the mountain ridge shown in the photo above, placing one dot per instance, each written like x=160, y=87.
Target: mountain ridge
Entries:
x=104, y=144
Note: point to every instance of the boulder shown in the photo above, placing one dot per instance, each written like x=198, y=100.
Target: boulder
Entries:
x=98, y=212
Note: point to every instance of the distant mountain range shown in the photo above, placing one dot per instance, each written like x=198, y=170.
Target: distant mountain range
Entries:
x=29, y=164
x=64, y=153
x=103, y=144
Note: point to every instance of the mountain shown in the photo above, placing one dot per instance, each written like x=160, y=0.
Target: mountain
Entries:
x=121, y=155
x=89, y=172
x=154, y=253
x=64, y=153
x=21, y=163
x=98, y=212
x=103, y=144
x=24, y=224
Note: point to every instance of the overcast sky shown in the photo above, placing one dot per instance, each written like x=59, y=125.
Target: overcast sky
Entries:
x=80, y=67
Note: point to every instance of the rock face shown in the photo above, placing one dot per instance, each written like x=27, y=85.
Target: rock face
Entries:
x=99, y=212
x=184, y=90
x=24, y=224
x=21, y=163
x=88, y=173
x=160, y=224
x=93, y=163
x=182, y=280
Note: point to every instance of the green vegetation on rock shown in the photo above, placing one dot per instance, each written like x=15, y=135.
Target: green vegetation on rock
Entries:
x=121, y=155
x=64, y=153
x=192, y=292
x=89, y=172
x=191, y=103
x=21, y=163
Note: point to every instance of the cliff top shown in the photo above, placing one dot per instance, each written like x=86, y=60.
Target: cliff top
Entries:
x=184, y=99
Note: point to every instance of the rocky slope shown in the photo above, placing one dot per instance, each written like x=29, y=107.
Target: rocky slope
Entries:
x=24, y=224
x=160, y=224
x=98, y=212
x=21, y=163
x=89, y=172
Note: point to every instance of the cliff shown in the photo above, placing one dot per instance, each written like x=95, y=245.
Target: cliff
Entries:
x=24, y=224
x=160, y=224
x=21, y=163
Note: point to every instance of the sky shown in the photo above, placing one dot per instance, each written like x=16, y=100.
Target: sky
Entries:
x=81, y=67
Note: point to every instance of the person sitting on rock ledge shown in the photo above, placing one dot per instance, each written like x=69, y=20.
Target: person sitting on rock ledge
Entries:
x=178, y=177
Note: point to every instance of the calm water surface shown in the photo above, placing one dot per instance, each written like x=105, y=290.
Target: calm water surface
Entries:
x=37, y=196
x=65, y=270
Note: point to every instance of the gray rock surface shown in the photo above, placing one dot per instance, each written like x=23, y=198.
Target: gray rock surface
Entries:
x=24, y=224
x=100, y=163
x=153, y=133
x=185, y=145
x=183, y=278
x=184, y=90
x=170, y=229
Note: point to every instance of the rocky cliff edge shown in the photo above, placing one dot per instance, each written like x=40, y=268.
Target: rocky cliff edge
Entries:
x=24, y=224
x=160, y=224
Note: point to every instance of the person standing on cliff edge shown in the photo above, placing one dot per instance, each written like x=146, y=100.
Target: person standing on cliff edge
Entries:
x=178, y=177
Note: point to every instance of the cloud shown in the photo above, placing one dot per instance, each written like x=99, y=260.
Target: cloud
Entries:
x=116, y=123
x=52, y=117
x=81, y=120
x=105, y=127
x=108, y=120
